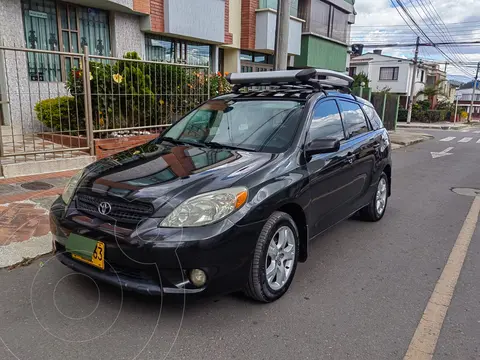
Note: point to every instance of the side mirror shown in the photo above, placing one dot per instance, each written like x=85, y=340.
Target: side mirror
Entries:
x=322, y=146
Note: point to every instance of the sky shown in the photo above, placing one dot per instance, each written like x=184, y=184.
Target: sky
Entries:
x=378, y=22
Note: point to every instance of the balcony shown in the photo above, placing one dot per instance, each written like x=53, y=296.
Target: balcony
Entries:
x=266, y=22
x=201, y=20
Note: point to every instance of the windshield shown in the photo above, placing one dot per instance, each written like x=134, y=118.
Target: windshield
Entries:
x=256, y=125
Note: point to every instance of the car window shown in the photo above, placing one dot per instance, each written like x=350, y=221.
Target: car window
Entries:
x=326, y=122
x=353, y=118
x=375, y=120
x=257, y=125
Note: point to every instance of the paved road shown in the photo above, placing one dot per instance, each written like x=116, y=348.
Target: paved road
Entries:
x=361, y=295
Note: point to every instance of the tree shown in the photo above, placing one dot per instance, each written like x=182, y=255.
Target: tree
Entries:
x=432, y=90
x=359, y=78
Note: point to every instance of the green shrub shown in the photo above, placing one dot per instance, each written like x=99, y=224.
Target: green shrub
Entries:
x=429, y=116
x=61, y=114
x=402, y=114
x=424, y=104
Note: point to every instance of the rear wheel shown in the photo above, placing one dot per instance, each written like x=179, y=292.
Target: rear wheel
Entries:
x=375, y=210
x=274, y=260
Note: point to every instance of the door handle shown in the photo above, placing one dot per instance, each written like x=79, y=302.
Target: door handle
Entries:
x=351, y=158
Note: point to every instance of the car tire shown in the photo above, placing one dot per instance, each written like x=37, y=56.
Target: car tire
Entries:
x=259, y=287
x=374, y=211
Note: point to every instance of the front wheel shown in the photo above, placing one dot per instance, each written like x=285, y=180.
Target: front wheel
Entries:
x=375, y=210
x=274, y=260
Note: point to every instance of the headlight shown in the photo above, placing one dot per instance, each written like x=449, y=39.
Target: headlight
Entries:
x=206, y=208
x=71, y=186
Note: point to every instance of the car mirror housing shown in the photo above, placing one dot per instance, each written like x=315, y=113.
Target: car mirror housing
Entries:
x=322, y=146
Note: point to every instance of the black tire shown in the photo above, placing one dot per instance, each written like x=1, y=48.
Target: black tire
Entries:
x=257, y=286
x=370, y=212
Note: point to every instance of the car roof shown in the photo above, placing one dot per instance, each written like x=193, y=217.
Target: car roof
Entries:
x=297, y=93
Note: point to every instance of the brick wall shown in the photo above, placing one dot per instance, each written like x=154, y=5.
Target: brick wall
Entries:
x=142, y=6
x=157, y=15
x=228, y=34
x=247, y=39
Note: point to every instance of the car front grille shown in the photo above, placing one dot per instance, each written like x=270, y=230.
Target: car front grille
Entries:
x=129, y=212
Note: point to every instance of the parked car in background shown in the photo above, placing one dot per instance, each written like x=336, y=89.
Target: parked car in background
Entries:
x=229, y=197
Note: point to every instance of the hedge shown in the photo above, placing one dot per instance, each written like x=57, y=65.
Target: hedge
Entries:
x=424, y=116
x=61, y=114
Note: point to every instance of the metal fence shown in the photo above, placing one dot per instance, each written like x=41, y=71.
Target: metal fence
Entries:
x=55, y=104
x=385, y=104
x=32, y=106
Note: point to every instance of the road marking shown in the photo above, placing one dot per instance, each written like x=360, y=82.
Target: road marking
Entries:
x=424, y=341
x=465, y=140
x=441, y=153
x=477, y=132
x=478, y=141
x=450, y=138
x=466, y=130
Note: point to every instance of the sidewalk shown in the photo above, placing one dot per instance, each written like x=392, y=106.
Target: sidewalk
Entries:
x=444, y=125
x=401, y=138
x=24, y=224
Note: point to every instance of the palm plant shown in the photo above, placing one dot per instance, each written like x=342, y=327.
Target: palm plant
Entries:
x=432, y=90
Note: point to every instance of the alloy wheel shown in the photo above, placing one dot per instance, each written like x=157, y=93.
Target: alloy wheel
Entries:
x=381, y=196
x=280, y=258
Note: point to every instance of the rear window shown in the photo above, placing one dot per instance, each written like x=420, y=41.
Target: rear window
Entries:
x=372, y=115
x=257, y=125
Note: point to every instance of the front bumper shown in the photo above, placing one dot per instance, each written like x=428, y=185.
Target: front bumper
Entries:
x=157, y=261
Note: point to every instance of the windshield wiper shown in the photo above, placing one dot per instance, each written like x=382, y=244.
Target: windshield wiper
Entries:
x=216, y=145
x=182, y=142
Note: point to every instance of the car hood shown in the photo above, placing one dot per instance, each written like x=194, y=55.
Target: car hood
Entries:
x=160, y=172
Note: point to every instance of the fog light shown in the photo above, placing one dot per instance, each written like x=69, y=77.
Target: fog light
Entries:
x=198, y=277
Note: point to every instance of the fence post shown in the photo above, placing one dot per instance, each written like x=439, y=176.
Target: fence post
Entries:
x=396, y=113
x=88, y=100
x=208, y=84
x=384, y=106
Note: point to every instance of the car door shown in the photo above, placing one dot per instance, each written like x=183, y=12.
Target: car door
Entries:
x=361, y=148
x=329, y=174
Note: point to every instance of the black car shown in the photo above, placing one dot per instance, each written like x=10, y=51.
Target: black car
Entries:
x=229, y=197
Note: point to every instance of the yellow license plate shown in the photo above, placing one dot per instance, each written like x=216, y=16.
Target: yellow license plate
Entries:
x=98, y=256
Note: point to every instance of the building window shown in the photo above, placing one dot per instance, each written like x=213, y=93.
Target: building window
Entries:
x=325, y=19
x=339, y=25
x=388, y=73
x=94, y=30
x=41, y=32
x=272, y=4
x=352, y=71
x=159, y=48
x=253, y=62
x=320, y=18
x=422, y=75
x=62, y=27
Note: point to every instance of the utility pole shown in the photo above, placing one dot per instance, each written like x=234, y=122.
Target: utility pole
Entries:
x=473, y=93
x=281, y=35
x=457, y=97
x=412, y=85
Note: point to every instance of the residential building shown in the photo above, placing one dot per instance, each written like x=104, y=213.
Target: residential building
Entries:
x=465, y=97
x=226, y=35
x=395, y=75
x=325, y=34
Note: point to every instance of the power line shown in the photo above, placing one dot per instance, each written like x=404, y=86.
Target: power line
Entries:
x=409, y=15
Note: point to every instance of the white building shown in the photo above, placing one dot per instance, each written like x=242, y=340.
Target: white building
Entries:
x=395, y=74
x=465, y=98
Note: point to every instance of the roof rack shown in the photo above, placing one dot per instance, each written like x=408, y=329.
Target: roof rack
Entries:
x=318, y=79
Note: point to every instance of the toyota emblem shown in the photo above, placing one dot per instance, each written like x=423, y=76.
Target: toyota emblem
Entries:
x=104, y=208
